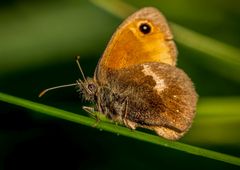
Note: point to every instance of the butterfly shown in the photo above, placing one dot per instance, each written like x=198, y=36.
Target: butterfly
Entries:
x=136, y=81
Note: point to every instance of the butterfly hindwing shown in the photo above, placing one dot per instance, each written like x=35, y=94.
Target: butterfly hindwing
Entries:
x=159, y=96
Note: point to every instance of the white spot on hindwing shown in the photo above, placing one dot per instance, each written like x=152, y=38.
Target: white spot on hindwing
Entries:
x=160, y=84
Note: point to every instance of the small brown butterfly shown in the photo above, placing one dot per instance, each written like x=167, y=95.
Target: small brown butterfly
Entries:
x=136, y=82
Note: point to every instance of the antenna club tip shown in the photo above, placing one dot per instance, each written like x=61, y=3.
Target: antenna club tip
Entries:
x=77, y=57
x=42, y=93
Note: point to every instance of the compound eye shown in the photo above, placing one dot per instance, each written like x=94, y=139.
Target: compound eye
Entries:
x=91, y=87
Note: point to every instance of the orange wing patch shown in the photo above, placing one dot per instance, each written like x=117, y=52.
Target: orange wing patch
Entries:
x=130, y=46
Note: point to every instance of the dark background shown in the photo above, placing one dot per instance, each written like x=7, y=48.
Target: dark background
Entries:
x=38, y=42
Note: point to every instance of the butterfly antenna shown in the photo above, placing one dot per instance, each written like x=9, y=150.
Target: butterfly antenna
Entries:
x=80, y=68
x=56, y=87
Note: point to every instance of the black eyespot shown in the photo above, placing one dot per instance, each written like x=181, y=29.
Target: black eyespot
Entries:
x=145, y=28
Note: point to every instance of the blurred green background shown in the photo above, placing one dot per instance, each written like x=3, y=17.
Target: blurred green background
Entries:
x=38, y=42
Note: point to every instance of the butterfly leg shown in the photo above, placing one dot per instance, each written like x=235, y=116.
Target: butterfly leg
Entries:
x=91, y=112
x=126, y=122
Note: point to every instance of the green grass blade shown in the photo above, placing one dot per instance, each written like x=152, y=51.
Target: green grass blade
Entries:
x=218, y=55
x=118, y=129
x=220, y=107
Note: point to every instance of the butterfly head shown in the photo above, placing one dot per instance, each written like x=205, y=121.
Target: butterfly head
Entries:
x=87, y=89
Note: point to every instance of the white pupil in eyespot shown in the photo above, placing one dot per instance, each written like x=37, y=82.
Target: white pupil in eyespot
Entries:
x=145, y=28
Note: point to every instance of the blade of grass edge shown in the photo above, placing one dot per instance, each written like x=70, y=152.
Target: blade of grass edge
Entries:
x=225, y=54
x=110, y=127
